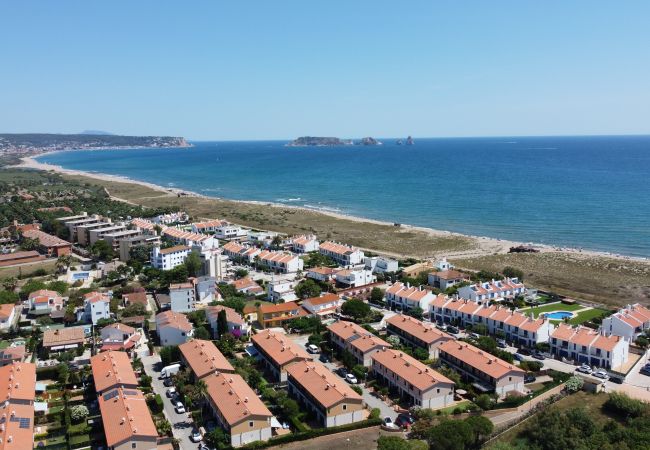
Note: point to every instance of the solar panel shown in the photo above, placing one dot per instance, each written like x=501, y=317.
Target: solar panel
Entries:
x=24, y=423
x=130, y=392
x=110, y=395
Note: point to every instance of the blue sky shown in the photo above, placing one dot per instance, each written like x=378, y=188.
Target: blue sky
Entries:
x=277, y=70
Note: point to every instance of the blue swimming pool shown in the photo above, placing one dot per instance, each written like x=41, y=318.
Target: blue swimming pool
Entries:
x=80, y=276
x=559, y=315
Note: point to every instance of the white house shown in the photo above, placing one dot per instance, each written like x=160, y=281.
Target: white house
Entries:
x=237, y=325
x=206, y=289
x=45, y=301
x=445, y=279
x=324, y=305
x=344, y=255
x=404, y=297
x=7, y=316
x=381, y=264
x=281, y=262
x=351, y=278
x=280, y=291
x=238, y=252
x=118, y=336
x=628, y=322
x=209, y=226
x=495, y=290
x=182, y=297
x=169, y=258
x=173, y=328
x=587, y=346
x=322, y=274
x=304, y=244
x=228, y=231
x=97, y=306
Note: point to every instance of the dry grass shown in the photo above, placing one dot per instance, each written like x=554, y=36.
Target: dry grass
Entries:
x=604, y=280
x=49, y=265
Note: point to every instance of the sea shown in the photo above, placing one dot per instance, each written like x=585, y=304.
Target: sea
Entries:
x=588, y=192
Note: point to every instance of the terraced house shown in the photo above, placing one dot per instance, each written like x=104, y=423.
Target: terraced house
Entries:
x=112, y=370
x=304, y=244
x=628, y=322
x=127, y=420
x=344, y=255
x=588, y=346
x=277, y=352
x=416, y=334
x=414, y=381
x=487, y=372
x=324, y=394
x=280, y=262
x=404, y=297
x=358, y=341
x=203, y=358
x=494, y=291
x=17, y=386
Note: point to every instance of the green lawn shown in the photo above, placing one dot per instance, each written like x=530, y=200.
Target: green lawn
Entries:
x=462, y=405
x=537, y=310
x=586, y=316
x=4, y=344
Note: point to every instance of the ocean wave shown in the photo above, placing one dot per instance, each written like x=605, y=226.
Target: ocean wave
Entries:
x=288, y=200
x=211, y=189
x=322, y=208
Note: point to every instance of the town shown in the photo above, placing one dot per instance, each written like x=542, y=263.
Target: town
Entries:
x=166, y=331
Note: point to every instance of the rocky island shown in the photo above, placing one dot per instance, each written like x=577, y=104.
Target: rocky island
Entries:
x=311, y=141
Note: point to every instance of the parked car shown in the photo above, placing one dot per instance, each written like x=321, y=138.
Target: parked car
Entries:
x=529, y=378
x=616, y=379
x=202, y=446
x=601, y=374
x=350, y=378
x=474, y=335
x=501, y=343
x=324, y=358
x=388, y=422
x=342, y=372
x=311, y=348
x=584, y=369
x=452, y=330
x=524, y=351
x=645, y=371
x=171, y=392
x=519, y=357
x=404, y=420
x=195, y=436
x=180, y=409
x=168, y=382
x=538, y=355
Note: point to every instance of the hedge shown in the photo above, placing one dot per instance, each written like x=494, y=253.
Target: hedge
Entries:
x=47, y=373
x=298, y=424
x=305, y=435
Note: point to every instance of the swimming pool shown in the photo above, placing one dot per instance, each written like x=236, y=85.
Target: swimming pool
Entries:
x=559, y=315
x=80, y=276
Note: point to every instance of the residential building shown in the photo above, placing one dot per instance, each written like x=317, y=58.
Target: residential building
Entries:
x=169, y=258
x=381, y=264
x=135, y=298
x=262, y=239
x=206, y=289
x=360, y=342
x=416, y=334
x=127, y=244
x=7, y=316
x=414, y=270
x=204, y=358
x=280, y=291
x=240, y=253
x=304, y=244
x=586, y=346
x=271, y=316
x=97, y=234
x=445, y=279
x=61, y=339
x=97, y=306
x=183, y=297
x=48, y=244
x=113, y=239
x=628, y=322
x=344, y=255
x=417, y=384
x=247, y=286
x=237, y=325
x=323, y=306
x=118, y=336
x=403, y=297
x=173, y=328
x=11, y=354
x=145, y=225
x=111, y=370
x=73, y=224
x=228, y=231
x=190, y=239
x=324, y=394
x=352, y=278
x=10, y=259
x=209, y=226
x=170, y=218
x=279, y=262
x=277, y=352
x=83, y=231
x=17, y=389
x=487, y=372
x=322, y=274
x=492, y=291
x=127, y=420
x=237, y=409
x=44, y=301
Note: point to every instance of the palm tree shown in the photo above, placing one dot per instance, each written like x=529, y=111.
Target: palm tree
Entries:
x=198, y=394
x=63, y=263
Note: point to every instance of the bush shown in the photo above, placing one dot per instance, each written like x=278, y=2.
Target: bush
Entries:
x=623, y=405
x=357, y=389
x=574, y=384
x=531, y=366
x=375, y=413
x=78, y=413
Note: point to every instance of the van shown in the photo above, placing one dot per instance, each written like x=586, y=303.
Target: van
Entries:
x=311, y=348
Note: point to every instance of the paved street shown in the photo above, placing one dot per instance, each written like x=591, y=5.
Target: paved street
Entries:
x=181, y=423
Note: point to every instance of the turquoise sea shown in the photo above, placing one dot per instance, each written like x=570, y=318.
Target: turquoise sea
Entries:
x=588, y=192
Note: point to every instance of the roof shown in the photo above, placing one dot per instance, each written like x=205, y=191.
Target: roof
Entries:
x=323, y=386
x=358, y=337
x=234, y=399
x=204, y=358
x=125, y=416
x=112, y=369
x=323, y=299
x=410, y=369
x=94, y=297
x=173, y=319
x=19, y=255
x=17, y=389
x=303, y=240
x=181, y=286
x=63, y=336
x=276, y=257
x=47, y=294
x=323, y=270
x=18, y=352
x=6, y=310
x=232, y=316
x=339, y=249
x=479, y=359
x=233, y=247
x=46, y=239
x=142, y=223
x=120, y=327
x=563, y=332
x=136, y=298
x=587, y=337
x=279, y=347
x=209, y=224
x=424, y=332
x=174, y=249
x=450, y=275
x=246, y=283
x=280, y=307
x=408, y=292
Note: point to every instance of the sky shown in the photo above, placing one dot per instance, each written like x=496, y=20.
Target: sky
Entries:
x=212, y=70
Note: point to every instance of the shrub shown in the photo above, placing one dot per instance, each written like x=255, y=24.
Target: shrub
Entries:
x=78, y=413
x=374, y=413
x=574, y=384
x=621, y=404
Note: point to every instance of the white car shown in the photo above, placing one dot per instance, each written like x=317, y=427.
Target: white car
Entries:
x=311, y=348
x=171, y=392
x=350, y=378
x=180, y=409
x=584, y=369
x=195, y=436
x=601, y=374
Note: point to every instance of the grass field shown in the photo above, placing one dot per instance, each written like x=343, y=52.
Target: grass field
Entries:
x=550, y=308
x=586, y=316
x=49, y=265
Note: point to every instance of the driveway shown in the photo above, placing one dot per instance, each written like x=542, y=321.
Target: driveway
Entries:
x=181, y=423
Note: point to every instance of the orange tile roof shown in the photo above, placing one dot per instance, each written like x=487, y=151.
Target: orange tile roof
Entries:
x=246, y=283
x=44, y=293
x=126, y=416
x=367, y=342
x=479, y=359
x=276, y=257
x=210, y=224
x=358, y=337
x=532, y=325
x=45, y=239
x=63, y=336
x=440, y=301
x=323, y=270
x=410, y=369
x=280, y=307
x=323, y=386
x=338, y=249
x=234, y=399
x=94, y=297
x=563, y=332
x=112, y=369
x=233, y=247
x=279, y=347
x=6, y=310
x=425, y=332
x=232, y=316
x=323, y=299
x=120, y=327
x=136, y=297
x=175, y=248
x=173, y=319
x=17, y=386
x=606, y=343
x=204, y=358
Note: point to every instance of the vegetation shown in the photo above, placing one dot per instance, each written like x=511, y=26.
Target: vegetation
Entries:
x=307, y=288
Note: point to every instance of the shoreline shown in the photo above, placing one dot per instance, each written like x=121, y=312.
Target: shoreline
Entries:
x=483, y=245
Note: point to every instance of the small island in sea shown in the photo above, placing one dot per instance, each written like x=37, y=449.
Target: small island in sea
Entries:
x=312, y=141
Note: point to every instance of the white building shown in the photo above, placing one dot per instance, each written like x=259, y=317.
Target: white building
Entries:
x=493, y=291
x=344, y=255
x=97, y=306
x=44, y=301
x=237, y=325
x=381, y=264
x=586, y=346
x=280, y=262
x=173, y=328
x=229, y=231
x=209, y=226
x=445, y=279
x=304, y=244
x=404, y=297
x=206, y=289
x=7, y=316
x=241, y=253
x=323, y=306
x=182, y=297
x=351, y=278
x=322, y=274
x=280, y=291
x=169, y=258
x=628, y=322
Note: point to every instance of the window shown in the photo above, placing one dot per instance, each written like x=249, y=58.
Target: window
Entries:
x=134, y=445
x=345, y=407
x=251, y=424
x=509, y=378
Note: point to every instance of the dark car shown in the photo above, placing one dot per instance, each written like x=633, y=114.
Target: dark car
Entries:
x=524, y=351
x=324, y=358
x=168, y=382
x=342, y=371
x=452, y=330
x=529, y=378
x=538, y=355
x=501, y=343
x=616, y=379
x=404, y=420
x=518, y=357
x=645, y=371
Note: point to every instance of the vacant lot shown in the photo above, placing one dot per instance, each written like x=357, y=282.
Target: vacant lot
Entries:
x=48, y=265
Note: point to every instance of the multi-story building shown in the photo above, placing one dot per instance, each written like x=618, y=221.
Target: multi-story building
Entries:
x=331, y=400
x=237, y=325
x=445, y=279
x=173, y=328
x=482, y=368
x=206, y=289
x=587, y=346
x=322, y=274
x=118, y=336
x=169, y=258
x=628, y=322
x=97, y=234
x=280, y=262
x=113, y=239
x=280, y=291
x=127, y=420
x=277, y=352
x=18, y=396
x=358, y=341
x=351, y=278
x=97, y=306
x=493, y=291
x=240, y=253
x=126, y=244
x=112, y=369
x=381, y=264
x=182, y=297
x=48, y=244
x=403, y=297
x=417, y=383
x=237, y=409
x=344, y=255
x=229, y=231
x=304, y=244
x=83, y=231
x=204, y=358
x=270, y=316
x=416, y=334
x=190, y=239
x=45, y=301
x=322, y=306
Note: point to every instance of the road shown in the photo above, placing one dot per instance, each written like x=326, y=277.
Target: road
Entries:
x=181, y=423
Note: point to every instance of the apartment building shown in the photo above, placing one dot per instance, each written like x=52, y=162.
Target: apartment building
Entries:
x=272, y=316
x=126, y=244
x=403, y=297
x=279, y=262
x=444, y=279
x=352, y=278
x=586, y=346
x=182, y=297
x=169, y=258
x=628, y=322
x=493, y=291
x=304, y=244
x=344, y=255
x=416, y=334
x=48, y=244
x=203, y=358
x=209, y=226
x=277, y=352
x=358, y=341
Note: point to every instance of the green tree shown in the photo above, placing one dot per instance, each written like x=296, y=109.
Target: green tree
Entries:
x=29, y=243
x=8, y=297
x=481, y=427
x=193, y=263
x=31, y=286
x=63, y=373
x=141, y=253
x=201, y=333
x=78, y=413
x=307, y=288
x=355, y=308
x=217, y=439
x=222, y=322
x=484, y=401
x=10, y=283
x=102, y=250
x=169, y=354
x=450, y=435
x=59, y=286
x=63, y=263
x=416, y=312
x=135, y=309
x=377, y=295
x=511, y=272
x=241, y=273
x=227, y=344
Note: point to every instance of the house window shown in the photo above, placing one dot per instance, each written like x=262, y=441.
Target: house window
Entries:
x=134, y=445
x=345, y=407
x=509, y=378
x=251, y=423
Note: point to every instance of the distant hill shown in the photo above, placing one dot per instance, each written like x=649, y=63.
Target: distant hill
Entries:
x=97, y=133
x=312, y=141
x=41, y=142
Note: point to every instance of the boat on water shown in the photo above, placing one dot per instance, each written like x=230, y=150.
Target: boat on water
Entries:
x=399, y=142
x=409, y=141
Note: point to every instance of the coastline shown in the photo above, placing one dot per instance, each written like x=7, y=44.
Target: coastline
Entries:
x=483, y=245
